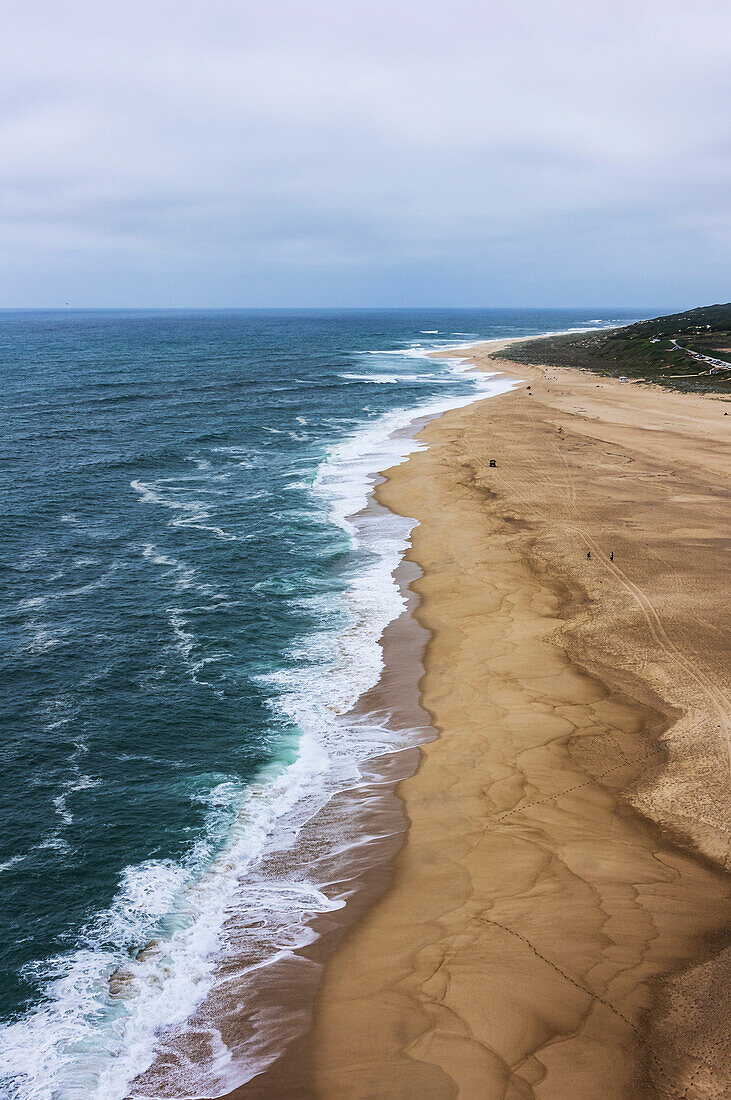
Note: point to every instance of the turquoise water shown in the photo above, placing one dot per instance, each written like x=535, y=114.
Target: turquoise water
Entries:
x=187, y=613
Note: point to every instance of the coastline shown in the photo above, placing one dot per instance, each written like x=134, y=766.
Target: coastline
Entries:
x=558, y=891
x=345, y=848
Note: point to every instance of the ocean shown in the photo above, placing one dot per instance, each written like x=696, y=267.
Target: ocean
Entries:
x=192, y=591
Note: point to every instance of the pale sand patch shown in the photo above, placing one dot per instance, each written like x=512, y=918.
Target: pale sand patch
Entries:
x=541, y=938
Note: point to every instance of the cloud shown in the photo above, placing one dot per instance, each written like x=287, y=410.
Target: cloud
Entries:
x=362, y=153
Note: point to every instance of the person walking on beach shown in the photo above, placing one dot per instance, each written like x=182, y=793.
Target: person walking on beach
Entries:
x=611, y=556
x=589, y=554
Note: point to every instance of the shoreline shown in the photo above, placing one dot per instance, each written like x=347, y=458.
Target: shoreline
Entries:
x=359, y=869
x=392, y=1017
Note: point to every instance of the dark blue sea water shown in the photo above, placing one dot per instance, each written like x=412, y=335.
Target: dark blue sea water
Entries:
x=186, y=605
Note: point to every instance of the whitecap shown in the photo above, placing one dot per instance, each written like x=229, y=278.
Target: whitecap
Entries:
x=379, y=379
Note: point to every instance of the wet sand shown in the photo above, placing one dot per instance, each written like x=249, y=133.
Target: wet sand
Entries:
x=555, y=920
x=350, y=845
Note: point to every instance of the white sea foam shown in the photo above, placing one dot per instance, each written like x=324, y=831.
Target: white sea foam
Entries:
x=53, y=842
x=31, y=559
x=394, y=379
x=413, y=351
x=78, y=782
x=189, y=513
x=42, y=637
x=184, y=577
x=11, y=862
x=241, y=455
x=186, y=644
x=149, y=971
x=377, y=379
x=102, y=581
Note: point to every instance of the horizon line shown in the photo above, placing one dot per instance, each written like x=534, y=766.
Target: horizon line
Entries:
x=305, y=309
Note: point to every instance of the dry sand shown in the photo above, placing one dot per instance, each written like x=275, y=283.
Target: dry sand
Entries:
x=555, y=923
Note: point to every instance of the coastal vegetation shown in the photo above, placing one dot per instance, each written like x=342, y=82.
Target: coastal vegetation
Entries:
x=686, y=351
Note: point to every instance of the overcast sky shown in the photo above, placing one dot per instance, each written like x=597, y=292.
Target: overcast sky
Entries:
x=338, y=152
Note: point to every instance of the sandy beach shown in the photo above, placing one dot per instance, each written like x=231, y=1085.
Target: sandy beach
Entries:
x=554, y=926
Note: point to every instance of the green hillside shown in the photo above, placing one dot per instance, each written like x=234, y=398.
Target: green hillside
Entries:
x=662, y=350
